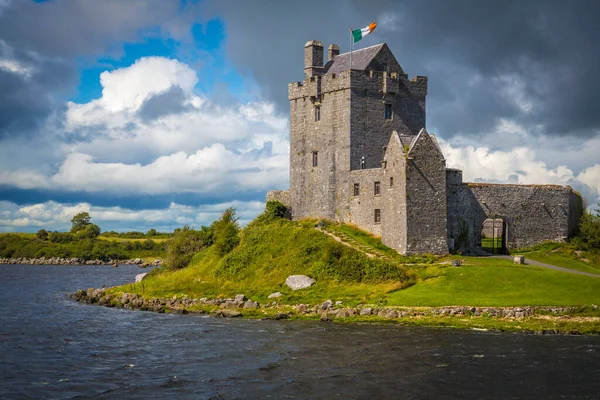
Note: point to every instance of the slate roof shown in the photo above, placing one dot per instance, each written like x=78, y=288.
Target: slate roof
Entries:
x=360, y=60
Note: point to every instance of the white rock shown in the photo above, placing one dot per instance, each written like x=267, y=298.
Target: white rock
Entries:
x=140, y=277
x=297, y=282
x=275, y=295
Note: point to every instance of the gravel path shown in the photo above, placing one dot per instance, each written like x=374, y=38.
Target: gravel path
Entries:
x=550, y=266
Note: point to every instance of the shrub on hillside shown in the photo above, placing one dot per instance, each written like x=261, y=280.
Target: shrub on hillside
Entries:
x=588, y=237
x=42, y=234
x=226, y=232
x=184, y=244
x=90, y=231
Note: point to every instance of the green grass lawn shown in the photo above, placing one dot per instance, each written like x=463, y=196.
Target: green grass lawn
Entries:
x=492, y=245
x=494, y=282
x=564, y=256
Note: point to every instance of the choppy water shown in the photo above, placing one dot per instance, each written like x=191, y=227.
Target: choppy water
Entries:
x=52, y=347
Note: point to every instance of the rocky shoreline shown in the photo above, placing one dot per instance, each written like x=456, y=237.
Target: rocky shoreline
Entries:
x=326, y=311
x=77, y=261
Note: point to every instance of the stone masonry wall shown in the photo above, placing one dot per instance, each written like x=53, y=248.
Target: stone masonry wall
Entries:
x=370, y=129
x=363, y=206
x=532, y=213
x=314, y=190
x=426, y=198
x=393, y=219
x=282, y=196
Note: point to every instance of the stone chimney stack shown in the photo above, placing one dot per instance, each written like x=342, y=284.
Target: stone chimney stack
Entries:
x=332, y=51
x=313, y=58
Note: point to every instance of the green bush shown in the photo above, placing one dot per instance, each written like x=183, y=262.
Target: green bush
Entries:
x=42, y=234
x=588, y=237
x=90, y=231
x=226, y=232
x=184, y=244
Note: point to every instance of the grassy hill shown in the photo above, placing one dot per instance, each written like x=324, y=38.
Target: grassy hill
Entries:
x=360, y=269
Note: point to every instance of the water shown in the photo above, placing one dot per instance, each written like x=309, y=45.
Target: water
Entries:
x=52, y=347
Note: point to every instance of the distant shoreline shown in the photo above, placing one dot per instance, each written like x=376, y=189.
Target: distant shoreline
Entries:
x=76, y=261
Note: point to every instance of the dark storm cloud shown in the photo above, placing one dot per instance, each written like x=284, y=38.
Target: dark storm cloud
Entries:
x=132, y=202
x=169, y=102
x=550, y=45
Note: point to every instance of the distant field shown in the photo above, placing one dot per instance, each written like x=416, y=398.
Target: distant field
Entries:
x=22, y=234
x=117, y=239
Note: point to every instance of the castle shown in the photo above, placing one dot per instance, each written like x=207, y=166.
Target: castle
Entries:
x=360, y=154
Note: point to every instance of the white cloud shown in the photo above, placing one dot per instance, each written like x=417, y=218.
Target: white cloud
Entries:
x=203, y=148
x=56, y=216
x=519, y=165
x=125, y=90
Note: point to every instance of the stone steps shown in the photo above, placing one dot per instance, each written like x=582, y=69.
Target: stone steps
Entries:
x=349, y=241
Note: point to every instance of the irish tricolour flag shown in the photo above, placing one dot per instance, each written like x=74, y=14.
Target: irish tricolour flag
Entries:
x=361, y=33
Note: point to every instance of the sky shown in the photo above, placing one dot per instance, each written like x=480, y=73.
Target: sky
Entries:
x=161, y=113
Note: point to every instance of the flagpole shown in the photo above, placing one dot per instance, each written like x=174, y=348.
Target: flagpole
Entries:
x=351, y=48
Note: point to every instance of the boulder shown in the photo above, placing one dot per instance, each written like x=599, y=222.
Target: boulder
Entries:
x=140, y=277
x=240, y=298
x=275, y=295
x=301, y=308
x=519, y=259
x=228, y=313
x=250, y=304
x=366, y=311
x=327, y=304
x=297, y=282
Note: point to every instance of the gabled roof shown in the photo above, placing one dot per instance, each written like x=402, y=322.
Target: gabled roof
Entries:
x=360, y=60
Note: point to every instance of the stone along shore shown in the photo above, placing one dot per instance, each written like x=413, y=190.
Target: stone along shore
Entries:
x=77, y=261
x=327, y=310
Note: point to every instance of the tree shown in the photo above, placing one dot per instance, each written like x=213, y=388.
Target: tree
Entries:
x=589, y=231
x=152, y=232
x=80, y=221
x=226, y=232
x=90, y=231
x=42, y=234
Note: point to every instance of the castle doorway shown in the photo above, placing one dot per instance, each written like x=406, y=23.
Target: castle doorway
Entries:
x=493, y=235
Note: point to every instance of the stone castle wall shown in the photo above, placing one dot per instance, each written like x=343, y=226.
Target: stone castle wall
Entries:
x=370, y=129
x=531, y=213
x=427, y=209
x=314, y=189
x=426, y=198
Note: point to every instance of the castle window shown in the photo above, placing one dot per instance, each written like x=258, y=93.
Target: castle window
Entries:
x=377, y=188
x=391, y=181
x=377, y=218
x=356, y=189
x=315, y=158
x=317, y=113
x=385, y=68
x=388, y=111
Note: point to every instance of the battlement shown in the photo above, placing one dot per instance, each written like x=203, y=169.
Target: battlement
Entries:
x=380, y=81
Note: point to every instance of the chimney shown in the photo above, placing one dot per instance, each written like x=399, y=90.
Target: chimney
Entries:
x=332, y=51
x=313, y=58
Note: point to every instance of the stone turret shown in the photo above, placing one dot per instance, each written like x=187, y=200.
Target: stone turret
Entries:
x=313, y=58
x=332, y=51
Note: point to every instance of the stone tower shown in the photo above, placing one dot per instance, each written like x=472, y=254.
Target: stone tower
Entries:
x=360, y=154
x=342, y=117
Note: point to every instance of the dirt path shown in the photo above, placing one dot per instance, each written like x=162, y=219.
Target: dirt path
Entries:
x=550, y=266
